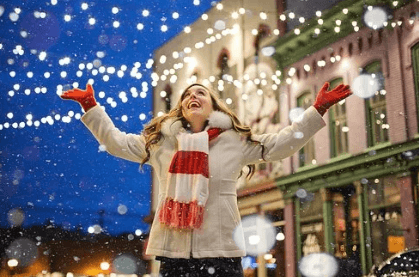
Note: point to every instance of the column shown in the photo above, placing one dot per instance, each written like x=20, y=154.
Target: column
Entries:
x=328, y=221
x=409, y=219
x=289, y=232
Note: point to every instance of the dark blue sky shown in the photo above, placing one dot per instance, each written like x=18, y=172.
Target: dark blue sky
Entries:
x=56, y=170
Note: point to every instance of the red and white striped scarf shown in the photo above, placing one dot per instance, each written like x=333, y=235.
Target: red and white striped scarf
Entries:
x=188, y=179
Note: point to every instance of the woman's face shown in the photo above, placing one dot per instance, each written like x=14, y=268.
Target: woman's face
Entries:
x=196, y=104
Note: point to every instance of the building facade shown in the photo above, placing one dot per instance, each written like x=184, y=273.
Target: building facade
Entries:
x=352, y=191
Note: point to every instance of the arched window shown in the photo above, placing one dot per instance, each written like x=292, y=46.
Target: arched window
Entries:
x=338, y=125
x=306, y=154
x=167, y=97
x=415, y=59
x=263, y=32
x=222, y=62
x=376, y=107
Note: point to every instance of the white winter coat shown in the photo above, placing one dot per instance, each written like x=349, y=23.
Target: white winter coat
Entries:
x=228, y=154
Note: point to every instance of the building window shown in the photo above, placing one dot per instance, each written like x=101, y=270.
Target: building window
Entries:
x=311, y=224
x=415, y=61
x=338, y=125
x=385, y=217
x=306, y=154
x=376, y=108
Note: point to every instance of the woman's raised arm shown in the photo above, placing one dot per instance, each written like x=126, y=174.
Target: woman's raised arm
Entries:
x=127, y=146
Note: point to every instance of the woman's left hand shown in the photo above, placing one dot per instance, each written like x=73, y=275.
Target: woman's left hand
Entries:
x=325, y=99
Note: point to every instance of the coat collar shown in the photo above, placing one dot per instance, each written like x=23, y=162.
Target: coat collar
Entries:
x=217, y=119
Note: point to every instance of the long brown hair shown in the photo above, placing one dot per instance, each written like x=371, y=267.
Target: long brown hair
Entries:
x=152, y=131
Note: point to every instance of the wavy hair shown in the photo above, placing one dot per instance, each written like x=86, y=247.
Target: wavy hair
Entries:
x=152, y=131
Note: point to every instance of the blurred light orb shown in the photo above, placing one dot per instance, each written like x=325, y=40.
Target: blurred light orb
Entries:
x=15, y=217
x=140, y=26
x=220, y=25
x=115, y=10
x=268, y=51
x=365, y=86
x=318, y=265
x=175, y=15
x=375, y=18
x=145, y=13
x=280, y=236
x=259, y=235
x=92, y=21
x=84, y=6
x=301, y=193
x=298, y=135
x=12, y=263
x=1, y=10
x=125, y=264
x=24, y=250
x=138, y=232
x=122, y=209
x=104, y=265
x=13, y=17
x=296, y=114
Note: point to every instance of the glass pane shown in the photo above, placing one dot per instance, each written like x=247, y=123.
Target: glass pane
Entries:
x=387, y=233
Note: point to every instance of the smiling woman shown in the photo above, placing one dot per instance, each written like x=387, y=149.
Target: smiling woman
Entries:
x=197, y=151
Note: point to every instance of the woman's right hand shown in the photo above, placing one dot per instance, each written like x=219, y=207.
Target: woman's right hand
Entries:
x=86, y=98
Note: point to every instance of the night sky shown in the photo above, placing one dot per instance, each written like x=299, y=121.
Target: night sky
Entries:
x=51, y=167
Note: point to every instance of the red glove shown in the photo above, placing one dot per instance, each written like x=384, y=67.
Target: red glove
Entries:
x=325, y=99
x=86, y=98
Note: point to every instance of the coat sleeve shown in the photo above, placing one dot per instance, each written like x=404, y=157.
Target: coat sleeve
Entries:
x=127, y=146
x=286, y=142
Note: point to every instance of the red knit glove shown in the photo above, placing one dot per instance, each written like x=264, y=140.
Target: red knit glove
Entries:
x=325, y=99
x=86, y=98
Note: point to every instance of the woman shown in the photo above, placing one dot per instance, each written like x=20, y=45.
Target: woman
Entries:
x=197, y=151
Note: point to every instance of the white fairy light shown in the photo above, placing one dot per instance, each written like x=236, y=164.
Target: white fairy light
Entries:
x=115, y=10
x=204, y=16
x=84, y=6
x=187, y=29
x=67, y=18
x=234, y=15
x=263, y=16
x=302, y=19
x=92, y=21
x=175, y=15
x=219, y=6
x=13, y=17
x=145, y=13
x=140, y=26
x=116, y=24
x=164, y=28
x=320, y=21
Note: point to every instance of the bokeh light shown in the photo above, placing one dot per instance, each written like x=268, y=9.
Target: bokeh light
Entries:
x=365, y=86
x=375, y=17
x=24, y=250
x=259, y=235
x=318, y=265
